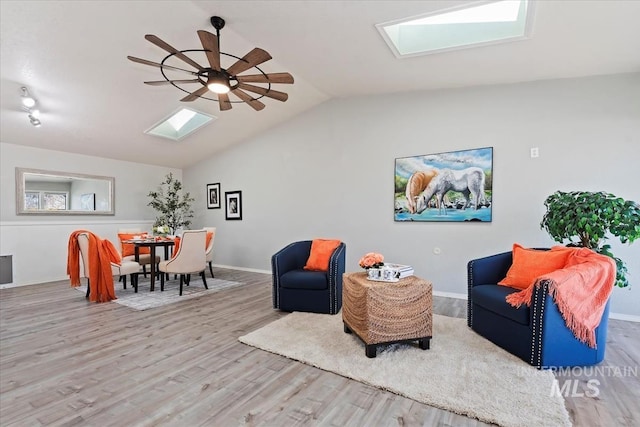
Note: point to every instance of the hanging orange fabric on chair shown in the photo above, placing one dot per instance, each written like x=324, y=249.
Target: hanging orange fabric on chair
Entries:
x=101, y=254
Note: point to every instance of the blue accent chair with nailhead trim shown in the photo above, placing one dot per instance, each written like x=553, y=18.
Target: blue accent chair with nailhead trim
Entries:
x=296, y=289
x=537, y=334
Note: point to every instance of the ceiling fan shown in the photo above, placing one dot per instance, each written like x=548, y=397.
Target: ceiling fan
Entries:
x=215, y=78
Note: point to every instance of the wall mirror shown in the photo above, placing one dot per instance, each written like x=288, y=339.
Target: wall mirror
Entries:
x=62, y=193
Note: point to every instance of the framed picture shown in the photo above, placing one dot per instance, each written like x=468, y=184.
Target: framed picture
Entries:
x=233, y=204
x=453, y=186
x=213, y=196
x=88, y=202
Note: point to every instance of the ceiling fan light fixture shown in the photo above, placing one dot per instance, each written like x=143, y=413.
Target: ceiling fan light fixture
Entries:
x=219, y=80
x=218, y=84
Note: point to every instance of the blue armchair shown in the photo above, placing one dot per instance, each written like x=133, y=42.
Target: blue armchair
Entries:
x=296, y=289
x=537, y=334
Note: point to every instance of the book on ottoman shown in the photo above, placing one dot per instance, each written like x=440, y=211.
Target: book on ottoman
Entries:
x=390, y=272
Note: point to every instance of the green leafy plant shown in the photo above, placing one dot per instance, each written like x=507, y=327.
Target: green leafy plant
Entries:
x=586, y=219
x=174, y=208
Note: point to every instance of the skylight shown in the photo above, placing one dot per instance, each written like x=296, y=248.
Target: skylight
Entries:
x=460, y=28
x=179, y=119
x=180, y=124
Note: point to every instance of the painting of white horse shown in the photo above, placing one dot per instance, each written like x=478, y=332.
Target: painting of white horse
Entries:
x=416, y=185
x=469, y=181
x=449, y=186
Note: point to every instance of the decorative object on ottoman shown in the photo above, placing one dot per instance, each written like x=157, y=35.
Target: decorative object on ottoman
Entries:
x=307, y=276
x=382, y=313
x=371, y=260
x=533, y=328
x=377, y=270
x=389, y=272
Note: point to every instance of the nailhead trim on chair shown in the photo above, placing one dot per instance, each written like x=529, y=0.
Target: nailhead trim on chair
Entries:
x=537, y=317
x=469, y=288
x=276, y=276
x=333, y=278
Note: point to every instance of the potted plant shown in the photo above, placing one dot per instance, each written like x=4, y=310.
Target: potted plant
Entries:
x=174, y=208
x=586, y=218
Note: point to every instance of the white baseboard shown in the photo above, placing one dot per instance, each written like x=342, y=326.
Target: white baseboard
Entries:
x=252, y=270
x=626, y=317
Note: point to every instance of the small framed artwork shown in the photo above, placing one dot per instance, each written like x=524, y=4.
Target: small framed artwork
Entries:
x=213, y=196
x=233, y=201
x=88, y=202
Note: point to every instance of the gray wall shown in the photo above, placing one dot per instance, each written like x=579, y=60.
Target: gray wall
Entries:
x=329, y=173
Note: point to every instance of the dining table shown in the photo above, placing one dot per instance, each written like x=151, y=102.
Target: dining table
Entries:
x=152, y=244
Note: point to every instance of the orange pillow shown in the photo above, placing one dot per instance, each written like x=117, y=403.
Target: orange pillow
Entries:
x=321, y=251
x=209, y=237
x=528, y=264
x=128, y=249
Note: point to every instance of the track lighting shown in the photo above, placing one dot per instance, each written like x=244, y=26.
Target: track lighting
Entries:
x=27, y=100
x=28, y=103
x=34, y=121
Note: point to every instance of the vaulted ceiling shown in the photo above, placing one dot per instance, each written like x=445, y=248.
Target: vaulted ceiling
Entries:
x=72, y=55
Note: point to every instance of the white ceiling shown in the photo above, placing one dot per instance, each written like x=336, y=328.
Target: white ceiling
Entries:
x=72, y=56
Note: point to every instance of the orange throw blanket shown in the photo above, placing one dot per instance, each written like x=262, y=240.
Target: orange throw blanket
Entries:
x=581, y=290
x=101, y=254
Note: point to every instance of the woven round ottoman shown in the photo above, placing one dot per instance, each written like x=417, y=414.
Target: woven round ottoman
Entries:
x=382, y=313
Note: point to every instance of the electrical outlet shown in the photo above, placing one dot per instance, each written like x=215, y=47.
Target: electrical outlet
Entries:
x=534, y=152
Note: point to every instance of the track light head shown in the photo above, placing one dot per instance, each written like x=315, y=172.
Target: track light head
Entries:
x=27, y=100
x=35, y=121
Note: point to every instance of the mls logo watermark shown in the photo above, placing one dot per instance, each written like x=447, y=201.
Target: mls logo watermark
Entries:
x=580, y=381
x=571, y=388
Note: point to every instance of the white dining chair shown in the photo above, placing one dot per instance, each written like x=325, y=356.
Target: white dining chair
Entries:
x=125, y=268
x=209, y=250
x=190, y=258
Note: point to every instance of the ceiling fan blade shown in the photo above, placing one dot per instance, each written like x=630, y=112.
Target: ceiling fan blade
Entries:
x=280, y=96
x=256, y=57
x=167, y=82
x=254, y=103
x=166, y=46
x=155, y=64
x=210, y=45
x=284, y=78
x=195, y=95
x=223, y=100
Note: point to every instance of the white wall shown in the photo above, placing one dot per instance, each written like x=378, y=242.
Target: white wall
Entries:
x=330, y=173
x=38, y=243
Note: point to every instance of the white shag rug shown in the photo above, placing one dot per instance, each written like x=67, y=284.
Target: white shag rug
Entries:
x=461, y=372
x=145, y=299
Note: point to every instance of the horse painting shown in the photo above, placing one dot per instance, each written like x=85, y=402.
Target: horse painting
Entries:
x=469, y=181
x=416, y=185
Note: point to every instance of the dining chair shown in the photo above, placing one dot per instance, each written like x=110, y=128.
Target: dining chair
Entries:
x=211, y=235
x=131, y=268
x=128, y=249
x=190, y=258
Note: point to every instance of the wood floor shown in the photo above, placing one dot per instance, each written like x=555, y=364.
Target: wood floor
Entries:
x=64, y=362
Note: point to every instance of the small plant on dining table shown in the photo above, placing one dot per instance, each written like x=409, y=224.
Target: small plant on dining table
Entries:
x=161, y=230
